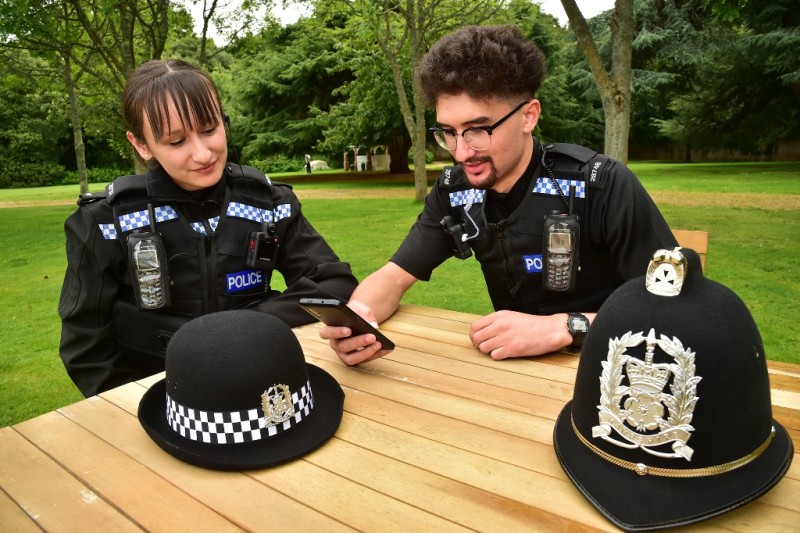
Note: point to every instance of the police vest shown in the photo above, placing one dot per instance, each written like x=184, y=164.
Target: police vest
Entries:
x=206, y=258
x=510, y=251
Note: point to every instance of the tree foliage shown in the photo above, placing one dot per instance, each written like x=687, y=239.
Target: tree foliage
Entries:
x=707, y=75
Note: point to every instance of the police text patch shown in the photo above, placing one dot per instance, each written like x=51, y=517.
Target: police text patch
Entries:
x=243, y=280
x=533, y=263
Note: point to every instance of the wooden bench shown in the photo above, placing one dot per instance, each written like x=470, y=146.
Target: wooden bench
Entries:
x=696, y=240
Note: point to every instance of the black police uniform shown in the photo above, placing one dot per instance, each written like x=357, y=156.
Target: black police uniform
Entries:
x=620, y=228
x=106, y=340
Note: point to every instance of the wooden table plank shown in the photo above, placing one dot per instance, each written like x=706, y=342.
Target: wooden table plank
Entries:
x=470, y=506
x=12, y=516
x=139, y=493
x=61, y=502
x=472, y=411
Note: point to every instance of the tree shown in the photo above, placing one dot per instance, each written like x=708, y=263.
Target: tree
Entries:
x=614, y=85
x=279, y=83
x=403, y=30
x=50, y=29
x=731, y=69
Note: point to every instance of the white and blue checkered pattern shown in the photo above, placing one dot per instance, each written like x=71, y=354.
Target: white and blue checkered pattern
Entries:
x=199, y=227
x=545, y=186
x=247, y=212
x=140, y=219
x=282, y=211
x=256, y=214
x=108, y=231
x=233, y=427
x=470, y=196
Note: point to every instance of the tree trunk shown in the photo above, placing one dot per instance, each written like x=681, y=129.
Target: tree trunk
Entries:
x=614, y=86
x=77, y=128
x=398, y=155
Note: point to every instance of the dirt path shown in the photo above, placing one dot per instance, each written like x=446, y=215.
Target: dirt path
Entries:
x=760, y=201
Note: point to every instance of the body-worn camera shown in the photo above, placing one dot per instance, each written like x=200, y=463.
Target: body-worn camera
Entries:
x=560, y=252
x=457, y=236
x=147, y=259
x=262, y=248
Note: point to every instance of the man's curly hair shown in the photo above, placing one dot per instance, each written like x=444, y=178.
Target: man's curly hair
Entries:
x=483, y=62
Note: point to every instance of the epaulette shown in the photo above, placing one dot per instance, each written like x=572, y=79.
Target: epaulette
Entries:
x=91, y=197
x=243, y=171
x=451, y=178
x=122, y=184
x=575, y=151
x=593, y=165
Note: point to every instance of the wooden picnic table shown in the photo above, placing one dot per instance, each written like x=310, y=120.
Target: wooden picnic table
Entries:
x=435, y=437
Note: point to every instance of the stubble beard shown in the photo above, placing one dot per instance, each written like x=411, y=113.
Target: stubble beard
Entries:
x=491, y=178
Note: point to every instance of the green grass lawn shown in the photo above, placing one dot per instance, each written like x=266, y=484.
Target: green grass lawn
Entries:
x=752, y=250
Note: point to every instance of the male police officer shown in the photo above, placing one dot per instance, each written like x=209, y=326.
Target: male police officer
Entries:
x=556, y=228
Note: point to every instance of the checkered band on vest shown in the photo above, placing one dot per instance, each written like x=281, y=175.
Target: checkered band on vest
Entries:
x=199, y=227
x=545, y=185
x=233, y=427
x=140, y=219
x=470, y=196
x=108, y=231
x=256, y=214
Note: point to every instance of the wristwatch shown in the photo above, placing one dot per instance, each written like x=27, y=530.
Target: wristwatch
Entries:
x=578, y=326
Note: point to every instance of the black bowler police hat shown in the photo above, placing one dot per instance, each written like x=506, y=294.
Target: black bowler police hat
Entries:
x=239, y=395
x=671, y=419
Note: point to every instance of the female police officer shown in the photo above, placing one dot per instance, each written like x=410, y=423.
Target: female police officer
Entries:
x=197, y=234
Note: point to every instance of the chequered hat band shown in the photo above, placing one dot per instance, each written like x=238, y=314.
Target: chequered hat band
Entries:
x=233, y=427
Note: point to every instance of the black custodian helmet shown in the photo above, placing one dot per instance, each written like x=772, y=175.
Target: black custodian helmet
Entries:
x=671, y=418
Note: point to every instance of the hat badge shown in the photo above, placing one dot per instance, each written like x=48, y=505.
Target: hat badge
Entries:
x=642, y=414
x=276, y=402
x=666, y=272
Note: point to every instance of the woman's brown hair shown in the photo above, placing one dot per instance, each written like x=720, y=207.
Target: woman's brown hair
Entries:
x=152, y=86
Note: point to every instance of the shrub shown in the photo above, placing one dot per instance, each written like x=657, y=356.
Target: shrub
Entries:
x=278, y=163
x=16, y=174
x=96, y=175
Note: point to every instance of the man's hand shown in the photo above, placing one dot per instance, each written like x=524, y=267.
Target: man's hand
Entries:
x=505, y=334
x=354, y=350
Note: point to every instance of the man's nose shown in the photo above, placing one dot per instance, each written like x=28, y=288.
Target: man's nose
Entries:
x=463, y=151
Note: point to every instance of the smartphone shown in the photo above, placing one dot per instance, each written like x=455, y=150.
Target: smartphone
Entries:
x=336, y=313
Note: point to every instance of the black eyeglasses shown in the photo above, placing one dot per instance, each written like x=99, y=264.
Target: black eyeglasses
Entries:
x=479, y=138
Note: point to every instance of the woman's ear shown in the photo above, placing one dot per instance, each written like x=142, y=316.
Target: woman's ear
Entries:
x=140, y=147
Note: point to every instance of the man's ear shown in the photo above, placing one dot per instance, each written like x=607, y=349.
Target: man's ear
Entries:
x=532, y=113
x=140, y=147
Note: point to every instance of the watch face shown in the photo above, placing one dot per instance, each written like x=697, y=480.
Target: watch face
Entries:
x=579, y=324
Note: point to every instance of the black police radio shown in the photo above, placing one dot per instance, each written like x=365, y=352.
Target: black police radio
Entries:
x=560, y=248
x=147, y=259
x=560, y=242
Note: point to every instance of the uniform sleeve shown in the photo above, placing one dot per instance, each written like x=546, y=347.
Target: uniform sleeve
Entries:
x=88, y=349
x=426, y=246
x=310, y=268
x=626, y=222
